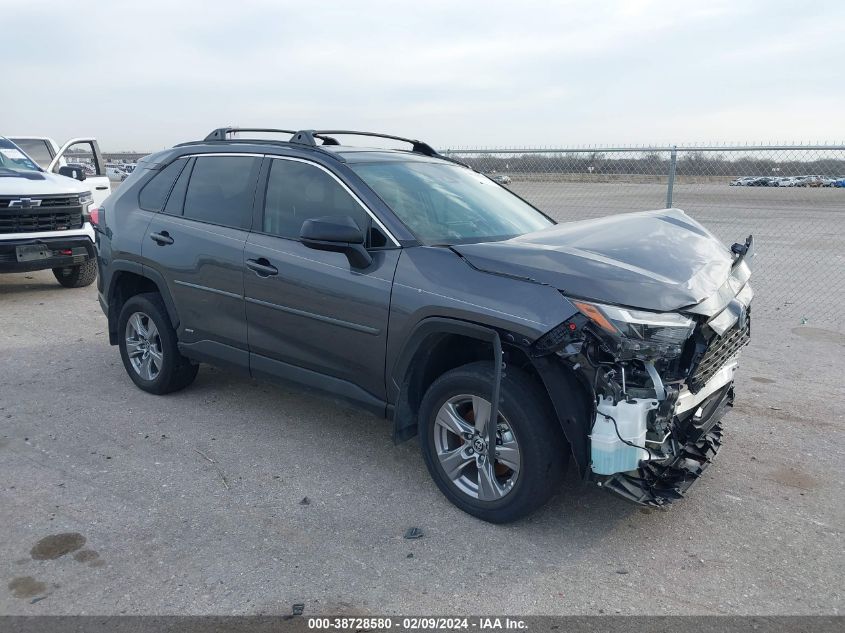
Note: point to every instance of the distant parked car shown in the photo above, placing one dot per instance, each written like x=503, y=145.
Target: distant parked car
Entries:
x=784, y=181
x=114, y=172
x=839, y=182
x=501, y=179
x=809, y=181
x=87, y=169
x=741, y=182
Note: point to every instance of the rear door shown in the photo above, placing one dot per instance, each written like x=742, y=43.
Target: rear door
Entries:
x=196, y=243
x=85, y=152
x=308, y=309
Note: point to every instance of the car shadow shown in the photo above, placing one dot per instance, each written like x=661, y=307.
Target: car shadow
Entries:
x=578, y=505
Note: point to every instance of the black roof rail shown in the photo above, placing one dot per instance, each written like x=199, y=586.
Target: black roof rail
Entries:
x=308, y=137
x=221, y=133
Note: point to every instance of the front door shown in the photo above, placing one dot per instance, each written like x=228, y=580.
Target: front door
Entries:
x=85, y=154
x=309, y=310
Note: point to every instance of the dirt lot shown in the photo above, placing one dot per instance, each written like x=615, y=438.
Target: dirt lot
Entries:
x=193, y=502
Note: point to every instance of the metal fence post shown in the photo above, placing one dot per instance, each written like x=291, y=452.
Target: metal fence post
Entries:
x=673, y=162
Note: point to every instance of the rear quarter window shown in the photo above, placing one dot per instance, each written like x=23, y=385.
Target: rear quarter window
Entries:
x=154, y=194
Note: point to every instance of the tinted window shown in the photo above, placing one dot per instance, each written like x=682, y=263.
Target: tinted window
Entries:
x=177, y=194
x=297, y=192
x=36, y=149
x=154, y=193
x=221, y=190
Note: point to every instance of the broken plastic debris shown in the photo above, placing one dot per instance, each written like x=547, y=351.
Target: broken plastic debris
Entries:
x=413, y=533
x=305, y=501
x=298, y=608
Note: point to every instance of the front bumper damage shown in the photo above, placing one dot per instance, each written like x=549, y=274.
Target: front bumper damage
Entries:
x=698, y=437
x=659, y=482
x=651, y=422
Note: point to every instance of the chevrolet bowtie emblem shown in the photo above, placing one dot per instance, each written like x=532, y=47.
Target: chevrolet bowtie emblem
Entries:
x=24, y=203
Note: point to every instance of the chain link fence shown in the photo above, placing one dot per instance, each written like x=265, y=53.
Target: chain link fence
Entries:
x=791, y=198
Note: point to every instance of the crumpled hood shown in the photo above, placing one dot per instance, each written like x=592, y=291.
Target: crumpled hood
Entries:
x=654, y=260
x=41, y=184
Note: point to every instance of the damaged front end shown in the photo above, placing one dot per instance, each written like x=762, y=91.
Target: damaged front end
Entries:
x=659, y=384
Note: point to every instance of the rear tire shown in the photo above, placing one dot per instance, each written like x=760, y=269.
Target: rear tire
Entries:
x=527, y=423
x=77, y=276
x=148, y=346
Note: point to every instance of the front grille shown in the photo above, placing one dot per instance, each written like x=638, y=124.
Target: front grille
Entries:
x=59, y=213
x=721, y=350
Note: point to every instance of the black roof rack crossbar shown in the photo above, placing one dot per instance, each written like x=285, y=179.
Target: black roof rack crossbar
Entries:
x=222, y=133
x=308, y=137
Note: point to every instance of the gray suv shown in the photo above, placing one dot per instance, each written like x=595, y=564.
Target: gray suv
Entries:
x=425, y=292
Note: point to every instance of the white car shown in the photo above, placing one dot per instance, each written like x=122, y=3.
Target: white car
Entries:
x=51, y=157
x=742, y=182
x=116, y=173
x=46, y=219
x=784, y=181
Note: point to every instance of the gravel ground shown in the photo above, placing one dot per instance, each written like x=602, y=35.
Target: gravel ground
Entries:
x=193, y=502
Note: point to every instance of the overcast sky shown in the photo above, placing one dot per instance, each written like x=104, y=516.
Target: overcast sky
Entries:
x=146, y=74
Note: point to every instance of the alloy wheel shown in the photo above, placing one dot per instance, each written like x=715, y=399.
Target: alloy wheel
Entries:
x=143, y=346
x=460, y=441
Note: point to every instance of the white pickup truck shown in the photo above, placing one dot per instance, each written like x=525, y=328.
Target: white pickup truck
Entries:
x=47, y=211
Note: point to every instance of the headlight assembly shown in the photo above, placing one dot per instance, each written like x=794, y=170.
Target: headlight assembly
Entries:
x=638, y=333
x=86, y=198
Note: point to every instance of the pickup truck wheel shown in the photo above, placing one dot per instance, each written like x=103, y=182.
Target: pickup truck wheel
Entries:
x=148, y=346
x=531, y=454
x=77, y=276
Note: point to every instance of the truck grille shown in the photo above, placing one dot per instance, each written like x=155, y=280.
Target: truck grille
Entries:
x=721, y=350
x=59, y=213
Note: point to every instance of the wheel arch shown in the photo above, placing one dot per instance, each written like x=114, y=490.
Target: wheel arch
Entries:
x=129, y=279
x=436, y=345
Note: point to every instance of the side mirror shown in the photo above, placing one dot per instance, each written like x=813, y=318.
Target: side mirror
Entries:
x=339, y=235
x=72, y=172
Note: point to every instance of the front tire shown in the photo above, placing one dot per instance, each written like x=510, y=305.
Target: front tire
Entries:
x=77, y=276
x=148, y=346
x=531, y=453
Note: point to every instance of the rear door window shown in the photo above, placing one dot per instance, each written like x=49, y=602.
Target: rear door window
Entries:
x=154, y=193
x=221, y=190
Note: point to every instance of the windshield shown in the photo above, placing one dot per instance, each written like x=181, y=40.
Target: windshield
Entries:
x=449, y=204
x=13, y=159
